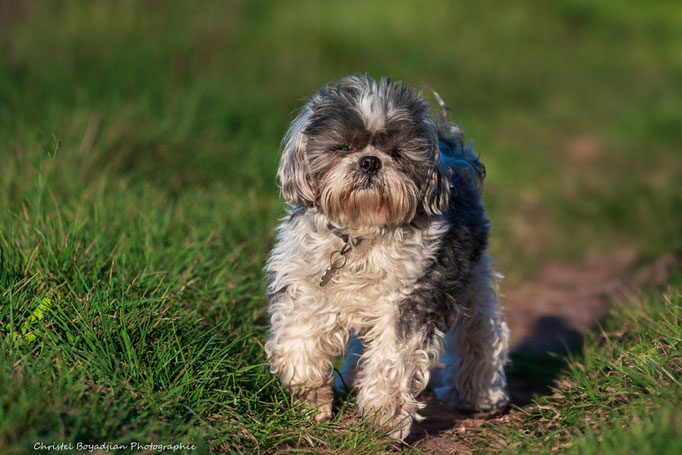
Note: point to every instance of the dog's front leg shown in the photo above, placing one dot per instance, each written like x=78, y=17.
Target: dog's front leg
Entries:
x=393, y=370
x=300, y=350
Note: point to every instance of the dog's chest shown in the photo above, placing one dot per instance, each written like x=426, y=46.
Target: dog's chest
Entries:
x=377, y=275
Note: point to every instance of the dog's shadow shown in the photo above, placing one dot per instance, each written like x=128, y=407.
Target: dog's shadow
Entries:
x=535, y=364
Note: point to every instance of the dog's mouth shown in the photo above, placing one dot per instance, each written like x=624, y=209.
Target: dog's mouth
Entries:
x=367, y=190
x=368, y=182
x=367, y=200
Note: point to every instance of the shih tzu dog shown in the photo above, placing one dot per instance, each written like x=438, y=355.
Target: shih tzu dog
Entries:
x=383, y=256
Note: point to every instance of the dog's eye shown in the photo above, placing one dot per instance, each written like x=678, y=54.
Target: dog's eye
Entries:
x=342, y=148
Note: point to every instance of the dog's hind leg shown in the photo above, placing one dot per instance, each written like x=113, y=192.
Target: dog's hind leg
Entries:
x=475, y=354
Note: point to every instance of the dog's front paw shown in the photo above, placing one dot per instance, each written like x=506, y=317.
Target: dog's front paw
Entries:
x=397, y=423
x=324, y=413
x=317, y=401
x=400, y=426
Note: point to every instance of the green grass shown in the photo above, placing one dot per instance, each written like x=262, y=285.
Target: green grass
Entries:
x=138, y=148
x=620, y=395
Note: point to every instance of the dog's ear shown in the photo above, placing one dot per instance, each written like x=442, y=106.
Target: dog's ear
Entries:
x=437, y=194
x=437, y=190
x=293, y=168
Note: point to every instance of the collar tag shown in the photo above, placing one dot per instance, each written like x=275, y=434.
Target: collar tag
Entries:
x=336, y=261
x=338, y=258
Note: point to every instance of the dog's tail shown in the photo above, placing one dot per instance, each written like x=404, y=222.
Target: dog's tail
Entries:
x=460, y=157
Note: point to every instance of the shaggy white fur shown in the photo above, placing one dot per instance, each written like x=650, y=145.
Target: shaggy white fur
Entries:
x=403, y=279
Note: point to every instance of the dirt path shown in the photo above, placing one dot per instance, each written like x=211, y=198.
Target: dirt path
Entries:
x=544, y=314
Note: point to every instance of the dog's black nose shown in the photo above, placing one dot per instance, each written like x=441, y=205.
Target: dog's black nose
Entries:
x=370, y=164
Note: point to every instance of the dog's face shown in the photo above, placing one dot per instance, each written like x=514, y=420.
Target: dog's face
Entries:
x=366, y=154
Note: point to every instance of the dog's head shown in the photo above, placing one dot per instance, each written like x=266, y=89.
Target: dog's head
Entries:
x=365, y=153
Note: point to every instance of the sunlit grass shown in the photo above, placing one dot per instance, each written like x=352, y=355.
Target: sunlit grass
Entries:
x=138, y=148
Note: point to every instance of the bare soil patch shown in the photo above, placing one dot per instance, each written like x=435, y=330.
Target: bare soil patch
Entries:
x=547, y=314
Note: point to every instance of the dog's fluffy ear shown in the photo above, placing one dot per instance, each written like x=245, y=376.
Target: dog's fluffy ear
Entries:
x=293, y=168
x=437, y=193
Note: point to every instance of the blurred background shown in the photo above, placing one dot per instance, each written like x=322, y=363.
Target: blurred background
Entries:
x=138, y=148
x=574, y=106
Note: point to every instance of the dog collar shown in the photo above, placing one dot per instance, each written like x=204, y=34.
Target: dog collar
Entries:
x=337, y=259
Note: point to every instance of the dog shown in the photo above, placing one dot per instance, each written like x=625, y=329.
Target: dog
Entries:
x=383, y=255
